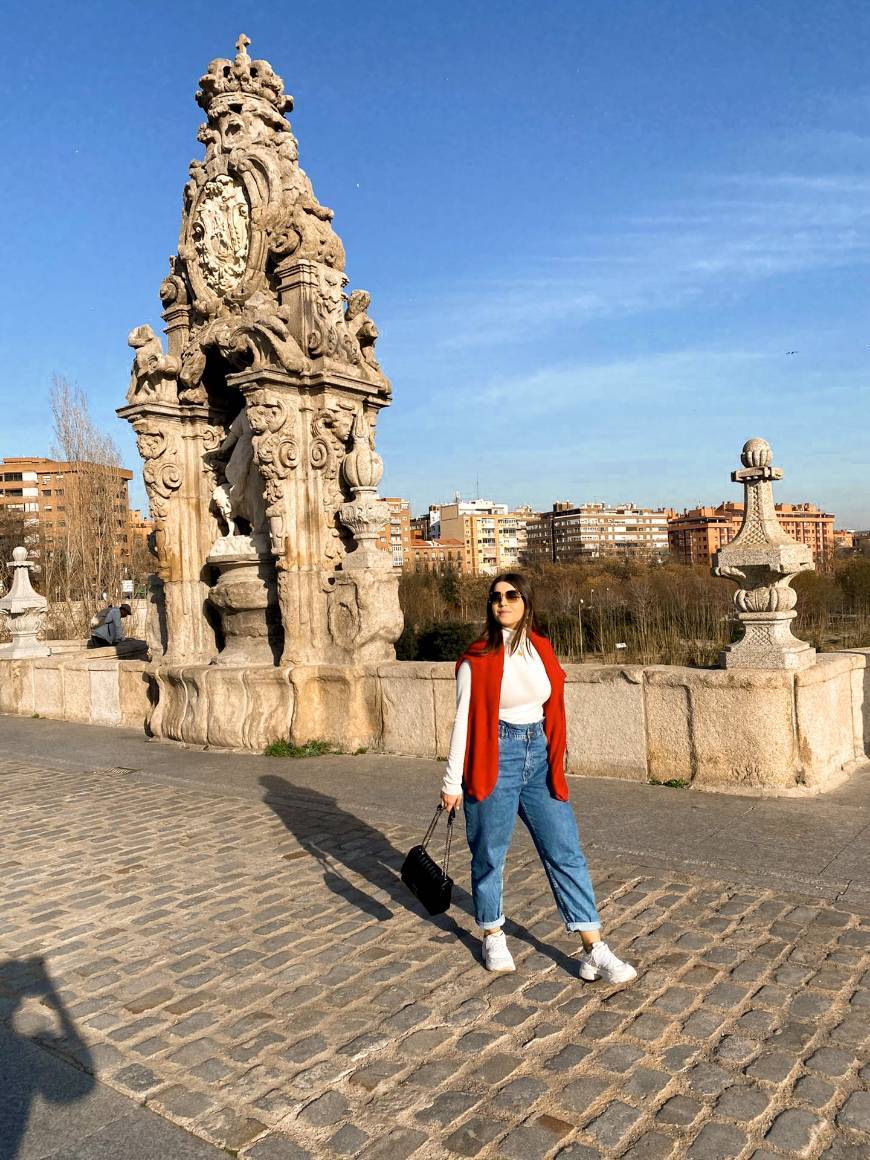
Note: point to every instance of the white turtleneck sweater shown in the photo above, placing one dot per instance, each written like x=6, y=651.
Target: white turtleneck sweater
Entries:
x=525, y=687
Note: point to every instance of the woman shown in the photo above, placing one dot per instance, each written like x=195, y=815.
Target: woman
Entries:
x=507, y=753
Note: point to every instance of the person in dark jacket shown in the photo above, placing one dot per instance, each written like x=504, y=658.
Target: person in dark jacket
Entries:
x=110, y=630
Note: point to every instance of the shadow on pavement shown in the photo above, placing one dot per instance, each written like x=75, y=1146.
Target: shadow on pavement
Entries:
x=332, y=835
x=25, y=1072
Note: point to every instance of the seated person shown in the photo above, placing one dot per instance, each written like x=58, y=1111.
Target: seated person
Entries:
x=109, y=630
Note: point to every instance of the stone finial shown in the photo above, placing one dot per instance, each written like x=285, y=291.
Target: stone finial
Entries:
x=365, y=514
x=24, y=611
x=762, y=560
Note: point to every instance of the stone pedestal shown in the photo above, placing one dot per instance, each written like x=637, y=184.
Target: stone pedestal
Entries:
x=762, y=560
x=24, y=611
x=244, y=596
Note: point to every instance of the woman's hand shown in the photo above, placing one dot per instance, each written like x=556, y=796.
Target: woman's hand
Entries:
x=451, y=801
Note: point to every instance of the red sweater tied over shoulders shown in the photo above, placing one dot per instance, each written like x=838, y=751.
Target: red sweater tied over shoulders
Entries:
x=480, y=772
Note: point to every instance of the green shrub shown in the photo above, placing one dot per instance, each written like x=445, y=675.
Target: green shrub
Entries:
x=447, y=641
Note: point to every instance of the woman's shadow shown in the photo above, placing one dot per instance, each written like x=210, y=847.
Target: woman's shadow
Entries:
x=340, y=839
x=26, y=1070
x=337, y=839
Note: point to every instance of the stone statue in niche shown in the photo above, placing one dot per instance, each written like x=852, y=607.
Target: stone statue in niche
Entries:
x=238, y=496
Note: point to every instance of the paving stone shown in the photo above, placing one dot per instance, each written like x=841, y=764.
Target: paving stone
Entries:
x=580, y=1094
x=651, y=1146
x=702, y=1024
x=772, y=1066
x=495, y=1068
x=678, y=1057
x=735, y=1049
x=741, y=1102
x=707, y=1079
x=276, y=1147
x=473, y=1136
x=325, y=1110
x=794, y=1131
x=533, y=1140
x=649, y=1027
x=855, y=1113
x=399, y=1144
x=448, y=1107
x=679, y=1110
x=616, y=1122
x=567, y=1058
x=347, y=1141
x=841, y=1150
x=717, y=1142
x=619, y=1057
x=578, y=1152
x=375, y=1074
x=812, y=1090
x=181, y=1103
x=136, y=1078
x=645, y=1083
x=830, y=1061
x=520, y=1093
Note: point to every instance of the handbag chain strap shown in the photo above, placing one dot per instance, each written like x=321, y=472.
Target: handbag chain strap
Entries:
x=431, y=830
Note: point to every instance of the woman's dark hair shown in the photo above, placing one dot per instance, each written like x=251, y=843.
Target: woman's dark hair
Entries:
x=529, y=622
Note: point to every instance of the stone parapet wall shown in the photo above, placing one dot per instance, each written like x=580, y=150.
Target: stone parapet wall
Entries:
x=739, y=730
x=753, y=731
x=81, y=688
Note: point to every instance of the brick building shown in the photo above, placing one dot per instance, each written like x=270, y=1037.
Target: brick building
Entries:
x=40, y=491
x=695, y=535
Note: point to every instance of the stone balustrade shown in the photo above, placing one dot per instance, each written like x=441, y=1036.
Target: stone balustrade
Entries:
x=738, y=730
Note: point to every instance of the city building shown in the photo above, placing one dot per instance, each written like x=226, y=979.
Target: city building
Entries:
x=699, y=532
x=844, y=539
x=586, y=532
x=435, y=556
x=395, y=536
x=493, y=535
x=41, y=489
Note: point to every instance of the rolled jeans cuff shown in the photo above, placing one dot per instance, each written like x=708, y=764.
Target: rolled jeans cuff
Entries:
x=579, y=926
x=496, y=923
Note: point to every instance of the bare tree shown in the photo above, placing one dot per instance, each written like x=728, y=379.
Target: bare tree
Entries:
x=87, y=540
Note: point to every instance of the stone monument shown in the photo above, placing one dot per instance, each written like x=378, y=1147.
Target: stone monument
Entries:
x=23, y=611
x=763, y=560
x=257, y=428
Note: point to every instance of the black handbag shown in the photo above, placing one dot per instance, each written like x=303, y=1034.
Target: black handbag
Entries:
x=422, y=874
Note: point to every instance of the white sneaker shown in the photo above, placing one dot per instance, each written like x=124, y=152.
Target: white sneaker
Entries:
x=602, y=963
x=496, y=956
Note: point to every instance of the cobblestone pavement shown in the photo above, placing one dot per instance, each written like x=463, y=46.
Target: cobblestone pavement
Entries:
x=256, y=972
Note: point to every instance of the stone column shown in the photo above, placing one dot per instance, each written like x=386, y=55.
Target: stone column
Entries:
x=762, y=560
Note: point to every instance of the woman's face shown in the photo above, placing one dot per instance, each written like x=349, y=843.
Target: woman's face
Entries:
x=507, y=604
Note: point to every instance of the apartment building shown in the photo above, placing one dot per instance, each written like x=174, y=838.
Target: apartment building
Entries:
x=698, y=533
x=492, y=535
x=39, y=490
x=395, y=536
x=586, y=532
x=435, y=556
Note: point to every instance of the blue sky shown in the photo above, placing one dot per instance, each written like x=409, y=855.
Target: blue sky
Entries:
x=592, y=230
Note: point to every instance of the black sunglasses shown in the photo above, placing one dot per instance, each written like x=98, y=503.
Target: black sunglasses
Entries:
x=512, y=596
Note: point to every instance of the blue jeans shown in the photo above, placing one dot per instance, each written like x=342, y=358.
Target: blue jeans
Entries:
x=522, y=789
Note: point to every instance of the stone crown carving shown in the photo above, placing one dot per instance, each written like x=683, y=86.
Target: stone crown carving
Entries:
x=254, y=78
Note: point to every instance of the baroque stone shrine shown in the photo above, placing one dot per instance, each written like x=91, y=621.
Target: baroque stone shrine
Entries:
x=257, y=431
